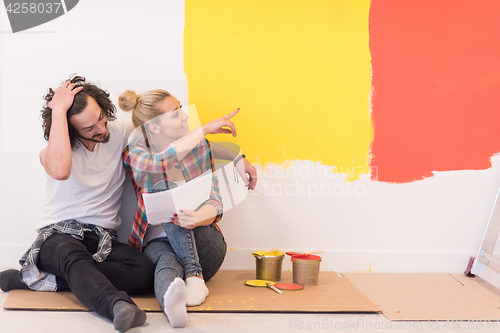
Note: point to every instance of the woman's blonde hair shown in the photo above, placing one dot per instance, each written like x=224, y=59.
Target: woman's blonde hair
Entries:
x=143, y=106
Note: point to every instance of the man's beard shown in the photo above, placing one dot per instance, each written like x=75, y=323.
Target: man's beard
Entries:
x=102, y=140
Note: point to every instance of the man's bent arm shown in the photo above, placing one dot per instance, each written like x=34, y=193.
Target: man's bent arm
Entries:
x=56, y=157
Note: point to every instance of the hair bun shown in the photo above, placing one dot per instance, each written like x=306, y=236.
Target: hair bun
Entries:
x=127, y=100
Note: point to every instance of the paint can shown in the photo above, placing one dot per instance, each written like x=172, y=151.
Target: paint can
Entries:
x=269, y=267
x=306, y=269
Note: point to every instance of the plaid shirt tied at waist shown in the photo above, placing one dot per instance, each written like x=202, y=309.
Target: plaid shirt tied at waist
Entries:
x=43, y=281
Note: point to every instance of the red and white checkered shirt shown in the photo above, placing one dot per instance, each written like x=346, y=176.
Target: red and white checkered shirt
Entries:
x=146, y=167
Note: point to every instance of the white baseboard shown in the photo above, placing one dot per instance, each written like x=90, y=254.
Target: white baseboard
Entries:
x=366, y=261
x=338, y=261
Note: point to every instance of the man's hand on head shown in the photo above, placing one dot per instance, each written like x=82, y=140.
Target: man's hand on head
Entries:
x=63, y=97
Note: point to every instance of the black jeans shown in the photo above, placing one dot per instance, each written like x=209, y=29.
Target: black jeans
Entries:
x=97, y=285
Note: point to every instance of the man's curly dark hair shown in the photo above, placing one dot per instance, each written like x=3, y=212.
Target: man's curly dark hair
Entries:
x=79, y=104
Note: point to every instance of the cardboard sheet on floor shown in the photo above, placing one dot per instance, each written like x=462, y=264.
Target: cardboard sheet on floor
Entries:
x=228, y=293
x=429, y=296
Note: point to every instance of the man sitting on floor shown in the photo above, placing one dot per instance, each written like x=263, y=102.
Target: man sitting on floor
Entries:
x=76, y=247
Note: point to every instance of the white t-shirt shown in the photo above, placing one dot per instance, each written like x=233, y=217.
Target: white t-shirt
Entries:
x=92, y=193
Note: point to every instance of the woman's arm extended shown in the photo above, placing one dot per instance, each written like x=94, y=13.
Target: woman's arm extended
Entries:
x=138, y=158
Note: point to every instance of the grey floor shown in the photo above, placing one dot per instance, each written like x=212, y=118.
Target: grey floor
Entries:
x=12, y=321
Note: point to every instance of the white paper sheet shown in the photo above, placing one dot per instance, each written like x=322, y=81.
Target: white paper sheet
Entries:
x=161, y=206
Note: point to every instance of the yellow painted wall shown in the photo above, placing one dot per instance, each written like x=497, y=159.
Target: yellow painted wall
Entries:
x=299, y=70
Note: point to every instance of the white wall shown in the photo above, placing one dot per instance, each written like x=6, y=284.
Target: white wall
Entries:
x=433, y=225
x=119, y=45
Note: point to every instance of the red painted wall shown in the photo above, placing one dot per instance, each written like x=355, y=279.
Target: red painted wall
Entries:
x=436, y=80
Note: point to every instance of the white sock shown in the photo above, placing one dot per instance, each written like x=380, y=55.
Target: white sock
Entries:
x=174, y=303
x=196, y=291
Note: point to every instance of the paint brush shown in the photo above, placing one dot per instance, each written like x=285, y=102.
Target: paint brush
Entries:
x=274, y=288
